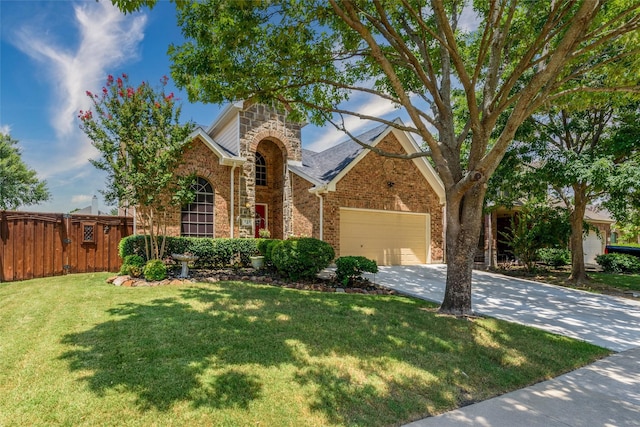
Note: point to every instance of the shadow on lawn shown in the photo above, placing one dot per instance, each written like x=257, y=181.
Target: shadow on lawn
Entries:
x=201, y=347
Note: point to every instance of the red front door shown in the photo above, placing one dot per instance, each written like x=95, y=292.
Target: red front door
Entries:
x=261, y=218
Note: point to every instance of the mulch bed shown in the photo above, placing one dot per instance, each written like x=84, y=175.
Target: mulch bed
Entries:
x=326, y=283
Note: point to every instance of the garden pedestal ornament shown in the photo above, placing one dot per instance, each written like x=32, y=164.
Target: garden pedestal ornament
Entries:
x=185, y=259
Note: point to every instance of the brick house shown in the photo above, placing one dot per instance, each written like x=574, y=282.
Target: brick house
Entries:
x=253, y=174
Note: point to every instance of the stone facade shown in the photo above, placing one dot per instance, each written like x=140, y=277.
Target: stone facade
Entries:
x=259, y=126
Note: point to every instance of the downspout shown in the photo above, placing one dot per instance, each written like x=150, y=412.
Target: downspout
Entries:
x=318, y=192
x=321, y=215
x=232, y=216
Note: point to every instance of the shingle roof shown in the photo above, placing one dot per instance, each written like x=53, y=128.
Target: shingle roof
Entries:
x=327, y=164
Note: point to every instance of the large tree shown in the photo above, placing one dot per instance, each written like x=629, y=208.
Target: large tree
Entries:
x=19, y=185
x=583, y=157
x=312, y=55
x=138, y=133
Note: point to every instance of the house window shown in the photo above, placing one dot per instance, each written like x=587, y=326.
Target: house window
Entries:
x=197, y=217
x=261, y=170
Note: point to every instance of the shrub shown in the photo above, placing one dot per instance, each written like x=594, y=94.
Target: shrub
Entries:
x=265, y=247
x=264, y=233
x=135, y=245
x=155, y=270
x=213, y=253
x=350, y=268
x=554, y=257
x=132, y=266
x=619, y=263
x=301, y=258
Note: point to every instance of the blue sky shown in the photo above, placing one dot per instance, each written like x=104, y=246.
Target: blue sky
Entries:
x=52, y=52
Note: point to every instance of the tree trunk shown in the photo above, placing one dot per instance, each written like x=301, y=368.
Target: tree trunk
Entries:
x=464, y=221
x=578, y=270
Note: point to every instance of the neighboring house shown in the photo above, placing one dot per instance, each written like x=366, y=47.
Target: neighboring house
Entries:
x=253, y=174
x=91, y=209
x=492, y=249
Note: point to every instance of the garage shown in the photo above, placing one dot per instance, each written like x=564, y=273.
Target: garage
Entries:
x=390, y=238
x=592, y=247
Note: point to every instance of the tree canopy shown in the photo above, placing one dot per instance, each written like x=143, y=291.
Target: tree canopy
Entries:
x=577, y=158
x=506, y=61
x=19, y=185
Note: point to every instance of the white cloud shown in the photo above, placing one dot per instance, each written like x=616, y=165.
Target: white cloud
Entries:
x=469, y=19
x=106, y=38
x=364, y=104
x=5, y=129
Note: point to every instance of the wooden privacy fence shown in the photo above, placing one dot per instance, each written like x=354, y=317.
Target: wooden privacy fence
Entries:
x=49, y=244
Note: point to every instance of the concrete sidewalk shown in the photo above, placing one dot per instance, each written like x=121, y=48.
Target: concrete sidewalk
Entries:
x=605, y=393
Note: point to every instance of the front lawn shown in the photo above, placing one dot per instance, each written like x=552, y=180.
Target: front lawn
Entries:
x=620, y=281
x=602, y=283
x=76, y=351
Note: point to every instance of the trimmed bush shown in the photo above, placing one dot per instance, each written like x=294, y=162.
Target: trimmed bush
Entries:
x=155, y=270
x=350, y=268
x=301, y=258
x=134, y=245
x=554, y=257
x=211, y=253
x=619, y=263
x=132, y=265
x=265, y=247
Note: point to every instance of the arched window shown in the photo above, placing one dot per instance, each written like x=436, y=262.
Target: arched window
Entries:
x=197, y=217
x=261, y=170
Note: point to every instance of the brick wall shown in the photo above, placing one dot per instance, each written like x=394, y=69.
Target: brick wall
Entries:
x=384, y=183
x=200, y=160
x=306, y=209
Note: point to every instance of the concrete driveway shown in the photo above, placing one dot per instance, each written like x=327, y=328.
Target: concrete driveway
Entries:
x=605, y=393
x=603, y=320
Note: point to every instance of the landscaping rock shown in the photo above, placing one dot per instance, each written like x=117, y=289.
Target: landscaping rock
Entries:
x=118, y=281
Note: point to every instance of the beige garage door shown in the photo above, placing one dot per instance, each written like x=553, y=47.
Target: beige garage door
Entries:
x=391, y=238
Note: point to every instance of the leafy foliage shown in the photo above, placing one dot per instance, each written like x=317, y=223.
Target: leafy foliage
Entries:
x=133, y=265
x=350, y=268
x=265, y=247
x=138, y=134
x=536, y=226
x=578, y=155
x=619, y=263
x=19, y=185
x=555, y=257
x=155, y=270
x=211, y=253
x=301, y=258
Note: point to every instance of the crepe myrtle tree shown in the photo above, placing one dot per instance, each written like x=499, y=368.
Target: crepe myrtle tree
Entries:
x=311, y=56
x=19, y=185
x=141, y=141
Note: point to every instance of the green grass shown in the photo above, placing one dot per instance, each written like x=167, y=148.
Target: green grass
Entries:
x=76, y=351
x=619, y=281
